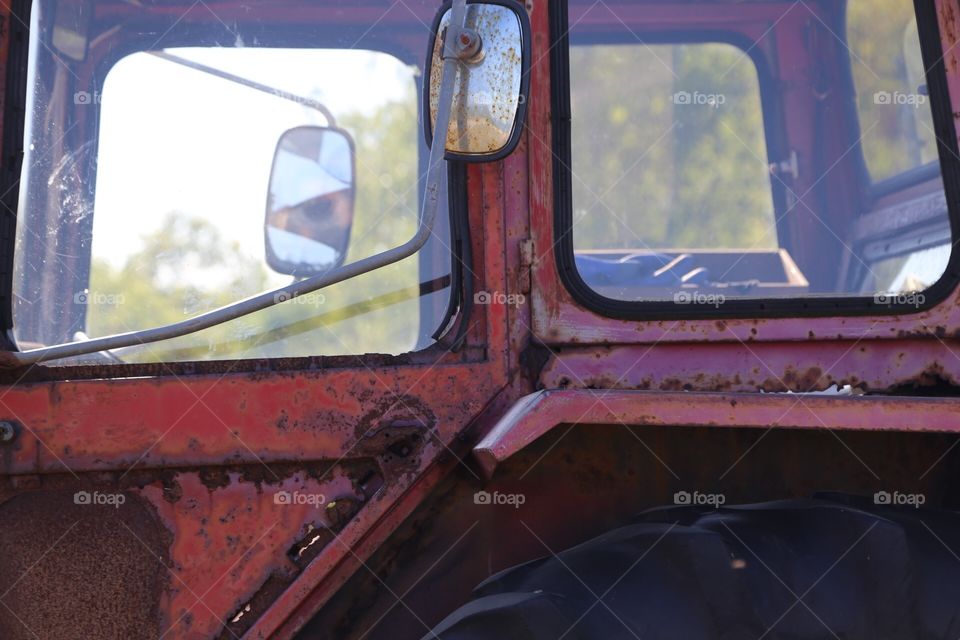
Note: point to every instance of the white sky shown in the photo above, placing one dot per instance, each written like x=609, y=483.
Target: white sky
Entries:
x=176, y=139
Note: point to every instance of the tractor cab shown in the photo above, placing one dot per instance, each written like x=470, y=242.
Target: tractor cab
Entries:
x=479, y=319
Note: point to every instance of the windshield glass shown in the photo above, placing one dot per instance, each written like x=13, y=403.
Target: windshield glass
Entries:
x=162, y=177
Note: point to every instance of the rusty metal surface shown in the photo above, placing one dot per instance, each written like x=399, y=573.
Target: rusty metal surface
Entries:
x=80, y=571
x=262, y=366
x=229, y=538
x=542, y=411
x=213, y=538
x=806, y=366
x=948, y=18
x=232, y=536
x=230, y=544
x=246, y=418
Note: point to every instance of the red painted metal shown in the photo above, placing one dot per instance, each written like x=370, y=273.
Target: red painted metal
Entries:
x=210, y=452
x=214, y=567
x=540, y=412
x=256, y=425
x=98, y=425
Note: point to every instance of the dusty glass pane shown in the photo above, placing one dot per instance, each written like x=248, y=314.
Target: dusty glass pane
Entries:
x=674, y=159
x=892, y=96
x=146, y=181
x=776, y=150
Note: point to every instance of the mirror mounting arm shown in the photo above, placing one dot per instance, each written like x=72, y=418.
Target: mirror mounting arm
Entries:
x=251, y=84
x=431, y=203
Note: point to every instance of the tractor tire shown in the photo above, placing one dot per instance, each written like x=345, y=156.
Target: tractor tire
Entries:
x=830, y=567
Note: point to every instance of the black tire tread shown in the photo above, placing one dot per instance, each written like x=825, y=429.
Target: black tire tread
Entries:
x=861, y=571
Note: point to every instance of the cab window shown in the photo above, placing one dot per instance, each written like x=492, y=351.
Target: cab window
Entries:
x=751, y=158
x=219, y=157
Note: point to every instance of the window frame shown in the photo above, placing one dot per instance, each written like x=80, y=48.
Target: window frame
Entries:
x=807, y=306
x=12, y=140
x=18, y=85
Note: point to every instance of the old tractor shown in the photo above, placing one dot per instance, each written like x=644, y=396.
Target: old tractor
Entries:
x=659, y=339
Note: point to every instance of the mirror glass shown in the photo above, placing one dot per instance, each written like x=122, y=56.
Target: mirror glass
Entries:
x=487, y=97
x=310, y=204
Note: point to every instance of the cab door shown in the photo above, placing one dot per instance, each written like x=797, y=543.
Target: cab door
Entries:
x=179, y=158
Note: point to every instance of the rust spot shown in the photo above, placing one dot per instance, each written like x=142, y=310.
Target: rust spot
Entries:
x=948, y=29
x=397, y=446
x=80, y=570
x=675, y=384
x=400, y=410
x=214, y=478
x=934, y=380
x=172, y=491
x=699, y=382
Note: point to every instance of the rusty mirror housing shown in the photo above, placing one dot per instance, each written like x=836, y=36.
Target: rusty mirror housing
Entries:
x=489, y=102
x=310, y=203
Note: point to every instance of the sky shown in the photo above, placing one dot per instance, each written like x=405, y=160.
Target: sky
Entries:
x=176, y=139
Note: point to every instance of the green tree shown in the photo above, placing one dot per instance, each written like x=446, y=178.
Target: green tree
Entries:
x=651, y=171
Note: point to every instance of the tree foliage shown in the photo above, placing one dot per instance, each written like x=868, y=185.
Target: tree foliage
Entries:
x=668, y=148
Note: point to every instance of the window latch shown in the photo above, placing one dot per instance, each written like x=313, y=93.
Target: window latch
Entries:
x=786, y=168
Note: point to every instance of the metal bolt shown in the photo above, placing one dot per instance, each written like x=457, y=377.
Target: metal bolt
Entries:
x=7, y=432
x=468, y=44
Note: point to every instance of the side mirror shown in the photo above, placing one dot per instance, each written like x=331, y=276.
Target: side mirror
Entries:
x=489, y=103
x=310, y=203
